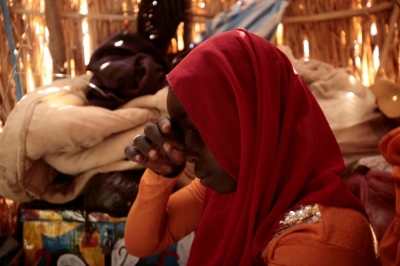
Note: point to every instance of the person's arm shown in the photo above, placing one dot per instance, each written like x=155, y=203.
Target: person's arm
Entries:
x=301, y=251
x=158, y=219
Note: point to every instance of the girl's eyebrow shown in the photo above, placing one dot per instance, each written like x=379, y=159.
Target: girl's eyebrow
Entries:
x=188, y=120
x=184, y=115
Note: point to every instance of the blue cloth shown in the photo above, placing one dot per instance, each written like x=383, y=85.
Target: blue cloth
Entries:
x=259, y=16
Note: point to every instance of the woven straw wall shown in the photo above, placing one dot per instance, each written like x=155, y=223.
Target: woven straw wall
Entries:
x=347, y=34
x=338, y=32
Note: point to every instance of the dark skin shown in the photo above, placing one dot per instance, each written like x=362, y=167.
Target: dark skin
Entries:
x=167, y=145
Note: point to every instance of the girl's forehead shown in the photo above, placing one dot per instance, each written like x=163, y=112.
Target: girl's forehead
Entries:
x=174, y=106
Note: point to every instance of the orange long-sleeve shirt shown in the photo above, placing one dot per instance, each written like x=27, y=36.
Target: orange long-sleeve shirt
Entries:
x=157, y=220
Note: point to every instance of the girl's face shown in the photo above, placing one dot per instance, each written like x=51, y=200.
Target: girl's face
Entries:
x=206, y=167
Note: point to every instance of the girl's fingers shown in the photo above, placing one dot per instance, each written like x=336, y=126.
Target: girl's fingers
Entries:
x=145, y=146
x=164, y=124
x=160, y=148
x=166, y=140
x=159, y=166
x=154, y=135
x=177, y=156
x=133, y=154
x=173, y=134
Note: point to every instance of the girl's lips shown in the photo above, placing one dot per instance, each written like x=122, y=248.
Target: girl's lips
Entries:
x=205, y=180
x=204, y=176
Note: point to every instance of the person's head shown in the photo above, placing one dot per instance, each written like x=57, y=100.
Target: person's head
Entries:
x=206, y=167
x=218, y=86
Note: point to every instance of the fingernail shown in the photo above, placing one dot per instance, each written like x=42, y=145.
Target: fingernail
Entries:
x=164, y=128
x=138, y=157
x=167, y=146
x=152, y=153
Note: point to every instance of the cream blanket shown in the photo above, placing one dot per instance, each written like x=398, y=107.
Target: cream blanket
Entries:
x=52, y=130
x=349, y=106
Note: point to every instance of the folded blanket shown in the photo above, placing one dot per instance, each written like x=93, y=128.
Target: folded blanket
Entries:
x=54, y=130
x=349, y=107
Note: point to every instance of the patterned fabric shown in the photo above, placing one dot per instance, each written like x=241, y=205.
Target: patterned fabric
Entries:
x=60, y=238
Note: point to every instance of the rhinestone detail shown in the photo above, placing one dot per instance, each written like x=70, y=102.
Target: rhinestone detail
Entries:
x=304, y=214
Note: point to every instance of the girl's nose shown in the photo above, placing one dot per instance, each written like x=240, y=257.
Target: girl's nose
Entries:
x=192, y=156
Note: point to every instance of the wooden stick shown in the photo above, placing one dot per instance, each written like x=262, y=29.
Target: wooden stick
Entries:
x=5, y=103
x=11, y=47
x=56, y=37
x=340, y=14
x=100, y=16
x=383, y=55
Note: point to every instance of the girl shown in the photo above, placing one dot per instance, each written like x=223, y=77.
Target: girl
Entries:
x=268, y=188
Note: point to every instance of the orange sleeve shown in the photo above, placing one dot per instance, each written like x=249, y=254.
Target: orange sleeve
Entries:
x=343, y=237
x=389, y=147
x=158, y=219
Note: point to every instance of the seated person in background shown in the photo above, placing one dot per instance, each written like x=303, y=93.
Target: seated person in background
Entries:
x=268, y=188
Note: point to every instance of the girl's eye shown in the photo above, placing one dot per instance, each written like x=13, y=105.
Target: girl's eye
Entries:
x=194, y=132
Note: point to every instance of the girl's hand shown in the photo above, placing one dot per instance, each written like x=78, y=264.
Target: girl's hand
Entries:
x=160, y=149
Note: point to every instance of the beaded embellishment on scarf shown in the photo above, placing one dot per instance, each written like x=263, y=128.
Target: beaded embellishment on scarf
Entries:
x=304, y=214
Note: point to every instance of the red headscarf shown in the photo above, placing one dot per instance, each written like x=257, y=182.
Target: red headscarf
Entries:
x=265, y=128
